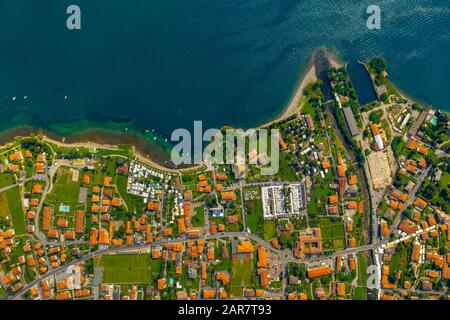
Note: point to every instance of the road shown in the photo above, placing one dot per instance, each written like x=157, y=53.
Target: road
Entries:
x=21, y=183
x=361, y=172
x=411, y=197
x=285, y=256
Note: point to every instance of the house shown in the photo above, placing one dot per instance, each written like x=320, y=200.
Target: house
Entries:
x=262, y=257
x=263, y=277
x=53, y=233
x=245, y=247
x=223, y=277
x=319, y=271
x=79, y=221
x=209, y=293
x=333, y=199
x=420, y=204
x=228, y=195
x=352, y=180
x=352, y=205
x=309, y=243
x=233, y=219
x=341, y=171
x=341, y=289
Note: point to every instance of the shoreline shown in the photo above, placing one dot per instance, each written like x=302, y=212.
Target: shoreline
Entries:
x=135, y=152
x=152, y=153
x=94, y=138
x=308, y=76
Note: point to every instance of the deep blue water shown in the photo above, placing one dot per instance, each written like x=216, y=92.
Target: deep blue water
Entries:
x=166, y=63
x=362, y=82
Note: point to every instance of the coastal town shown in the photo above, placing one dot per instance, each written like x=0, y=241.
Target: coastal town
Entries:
x=359, y=209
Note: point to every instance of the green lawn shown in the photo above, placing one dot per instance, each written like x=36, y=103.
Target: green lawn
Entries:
x=333, y=236
x=242, y=270
x=360, y=293
x=11, y=204
x=199, y=218
x=285, y=172
x=129, y=268
x=132, y=202
x=319, y=198
x=64, y=189
x=270, y=229
x=6, y=179
x=400, y=258
x=255, y=220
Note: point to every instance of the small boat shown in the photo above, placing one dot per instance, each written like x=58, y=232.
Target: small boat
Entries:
x=24, y=98
x=14, y=98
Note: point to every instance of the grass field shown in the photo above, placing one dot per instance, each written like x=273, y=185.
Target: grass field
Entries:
x=64, y=190
x=199, y=217
x=242, y=269
x=255, y=220
x=6, y=179
x=318, y=201
x=10, y=204
x=133, y=203
x=129, y=268
x=333, y=236
x=270, y=229
x=360, y=293
x=285, y=172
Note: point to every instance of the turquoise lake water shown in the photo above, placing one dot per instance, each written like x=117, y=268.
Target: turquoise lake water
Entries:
x=163, y=64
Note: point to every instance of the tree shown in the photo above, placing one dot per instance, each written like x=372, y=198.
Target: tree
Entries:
x=429, y=191
x=375, y=116
x=379, y=64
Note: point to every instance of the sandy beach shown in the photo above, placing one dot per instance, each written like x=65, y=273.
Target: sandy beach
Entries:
x=309, y=76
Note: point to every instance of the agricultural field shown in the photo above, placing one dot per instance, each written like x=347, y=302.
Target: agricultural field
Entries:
x=242, y=272
x=11, y=204
x=128, y=268
x=6, y=179
x=333, y=236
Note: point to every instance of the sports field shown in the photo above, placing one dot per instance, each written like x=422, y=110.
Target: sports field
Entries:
x=128, y=268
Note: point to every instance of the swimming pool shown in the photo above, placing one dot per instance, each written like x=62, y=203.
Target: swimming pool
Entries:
x=63, y=208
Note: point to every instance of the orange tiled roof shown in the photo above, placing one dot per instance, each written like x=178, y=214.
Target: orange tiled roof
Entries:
x=262, y=257
x=245, y=247
x=352, y=180
x=341, y=171
x=223, y=277
x=333, y=199
x=228, y=195
x=319, y=272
